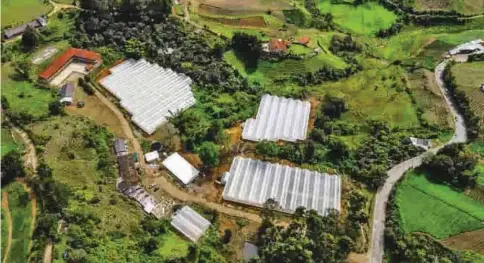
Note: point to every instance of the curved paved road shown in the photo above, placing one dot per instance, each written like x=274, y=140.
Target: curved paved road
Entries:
x=376, y=250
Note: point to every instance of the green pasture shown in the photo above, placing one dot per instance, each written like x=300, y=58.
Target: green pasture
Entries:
x=21, y=211
x=467, y=75
x=365, y=19
x=4, y=222
x=8, y=142
x=21, y=11
x=436, y=209
x=376, y=93
x=172, y=245
x=467, y=7
x=22, y=96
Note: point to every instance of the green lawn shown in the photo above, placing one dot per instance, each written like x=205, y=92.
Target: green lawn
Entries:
x=4, y=229
x=436, y=209
x=8, y=142
x=21, y=210
x=376, y=93
x=365, y=19
x=17, y=11
x=172, y=245
x=23, y=97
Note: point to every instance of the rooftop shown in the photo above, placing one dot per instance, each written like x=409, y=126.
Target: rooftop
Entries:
x=190, y=223
x=181, y=168
x=67, y=90
x=304, y=40
x=278, y=45
x=71, y=53
x=12, y=32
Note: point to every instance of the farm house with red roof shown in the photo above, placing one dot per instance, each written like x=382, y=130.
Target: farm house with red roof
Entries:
x=73, y=61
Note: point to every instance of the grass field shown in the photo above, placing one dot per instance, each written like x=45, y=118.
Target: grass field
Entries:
x=9, y=143
x=469, y=77
x=376, y=93
x=22, y=96
x=365, y=19
x=436, y=209
x=21, y=210
x=461, y=6
x=4, y=222
x=17, y=11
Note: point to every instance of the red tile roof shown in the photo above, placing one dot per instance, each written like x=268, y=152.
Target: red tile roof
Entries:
x=304, y=40
x=90, y=56
x=278, y=45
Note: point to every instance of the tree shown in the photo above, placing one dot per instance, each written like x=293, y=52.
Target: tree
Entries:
x=44, y=171
x=227, y=236
x=149, y=244
x=30, y=38
x=209, y=154
x=56, y=108
x=134, y=48
x=5, y=104
x=12, y=167
x=248, y=48
x=267, y=148
x=22, y=69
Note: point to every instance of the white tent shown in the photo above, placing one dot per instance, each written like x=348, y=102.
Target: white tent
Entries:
x=179, y=167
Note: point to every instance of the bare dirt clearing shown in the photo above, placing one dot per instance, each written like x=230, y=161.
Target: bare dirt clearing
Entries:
x=467, y=241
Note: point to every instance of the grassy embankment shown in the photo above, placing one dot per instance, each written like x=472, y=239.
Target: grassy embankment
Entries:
x=365, y=19
x=21, y=211
x=21, y=11
x=436, y=209
x=469, y=77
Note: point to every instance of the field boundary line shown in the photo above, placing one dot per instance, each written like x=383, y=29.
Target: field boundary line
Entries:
x=447, y=203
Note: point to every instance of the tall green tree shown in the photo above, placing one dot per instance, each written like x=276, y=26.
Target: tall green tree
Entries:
x=209, y=154
x=12, y=167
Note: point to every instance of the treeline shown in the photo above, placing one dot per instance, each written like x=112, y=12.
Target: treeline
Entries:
x=411, y=247
x=454, y=164
x=476, y=57
x=462, y=102
x=321, y=21
x=308, y=238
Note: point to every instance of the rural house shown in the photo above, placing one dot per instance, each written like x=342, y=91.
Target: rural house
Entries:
x=304, y=40
x=72, y=61
x=120, y=147
x=19, y=30
x=277, y=46
x=67, y=93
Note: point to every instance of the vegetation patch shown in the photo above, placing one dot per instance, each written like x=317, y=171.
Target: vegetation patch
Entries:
x=9, y=143
x=365, y=19
x=21, y=210
x=21, y=11
x=251, y=21
x=436, y=209
x=460, y=6
x=4, y=229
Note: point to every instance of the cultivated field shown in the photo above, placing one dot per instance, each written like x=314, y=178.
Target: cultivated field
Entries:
x=17, y=11
x=461, y=6
x=473, y=240
x=469, y=77
x=436, y=209
x=365, y=19
x=21, y=211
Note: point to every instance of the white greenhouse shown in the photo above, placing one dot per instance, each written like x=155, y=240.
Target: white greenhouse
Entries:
x=278, y=119
x=253, y=182
x=190, y=223
x=149, y=92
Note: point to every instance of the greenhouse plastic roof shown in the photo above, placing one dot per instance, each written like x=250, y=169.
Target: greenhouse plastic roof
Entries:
x=181, y=168
x=190, y=223
x=278, y=119
x=253, y=182
x=149, y=92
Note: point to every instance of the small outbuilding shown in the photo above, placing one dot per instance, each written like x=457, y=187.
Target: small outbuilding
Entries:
x=152, y=156
x=250, y=251
x=66, y=93
x=120, y=147
x=19, y=30
x=190, y=223
x=180, y=168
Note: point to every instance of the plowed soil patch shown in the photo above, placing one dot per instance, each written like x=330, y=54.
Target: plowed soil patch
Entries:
x=467, y=241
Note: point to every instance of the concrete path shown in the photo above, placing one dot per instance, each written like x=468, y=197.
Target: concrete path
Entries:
x=376, y=251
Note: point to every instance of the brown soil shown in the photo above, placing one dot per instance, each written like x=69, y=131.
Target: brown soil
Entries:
x=7, y=214
x=467, y=241
x=357, y=258
x=245, y=6
x=252, y=21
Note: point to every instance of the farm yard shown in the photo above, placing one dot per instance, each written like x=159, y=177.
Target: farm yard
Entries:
x=21, y=11
x=436, y=209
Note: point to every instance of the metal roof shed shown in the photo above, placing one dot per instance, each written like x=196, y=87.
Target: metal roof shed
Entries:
x=190, y=223
x=152, y=156
x=179, y=167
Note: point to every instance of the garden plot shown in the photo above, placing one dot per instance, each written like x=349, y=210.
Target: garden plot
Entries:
x=149, y=92
x=253, y=182
x=278, y=119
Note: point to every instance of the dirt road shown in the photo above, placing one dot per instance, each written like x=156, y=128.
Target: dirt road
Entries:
x=7, y=214
x=376, y=251
x=30, y=154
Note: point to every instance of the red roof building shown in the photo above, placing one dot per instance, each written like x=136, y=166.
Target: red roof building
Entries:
x=304, y=40
x=278, y=45
x=92, y=59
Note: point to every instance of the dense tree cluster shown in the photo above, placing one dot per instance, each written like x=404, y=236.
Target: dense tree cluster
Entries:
x=308, y=238
x=321, y=21
x=344, y=44
x=12, y=167
x=453, y=164
x=247, y=47
x=462, y=102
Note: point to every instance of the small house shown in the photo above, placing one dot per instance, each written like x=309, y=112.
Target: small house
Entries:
x=278, y=46
x=66, y=93
x=120, y=147
x=19, y=30
x=180, y=168
x=152, y=156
